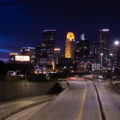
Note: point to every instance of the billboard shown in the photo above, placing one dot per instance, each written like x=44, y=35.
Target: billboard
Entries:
x=22, y=58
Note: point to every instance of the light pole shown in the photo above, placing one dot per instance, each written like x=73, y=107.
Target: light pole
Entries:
x=111, y=55
x=117, y=43
x=101, y=60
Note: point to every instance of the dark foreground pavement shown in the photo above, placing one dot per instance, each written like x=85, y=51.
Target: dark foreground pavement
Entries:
x=12, y=107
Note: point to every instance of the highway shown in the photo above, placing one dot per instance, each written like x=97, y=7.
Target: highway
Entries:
x=83, y=100
x=78, y=102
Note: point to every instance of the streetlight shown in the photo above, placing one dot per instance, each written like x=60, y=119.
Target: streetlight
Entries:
x=111, y=55
x=117, y=43
x=101, y=54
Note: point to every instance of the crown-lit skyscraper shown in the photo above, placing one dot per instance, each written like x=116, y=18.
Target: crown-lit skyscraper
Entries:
x=70, y=46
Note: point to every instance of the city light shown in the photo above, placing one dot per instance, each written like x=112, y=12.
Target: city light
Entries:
x=116, y=43
x=53, y=65
x=104, y=30
x=71, y=36
x=22, y=58
x=101, y=54
x=56, y=49
x=49, y=30
x=13, y=54
x=111, y=54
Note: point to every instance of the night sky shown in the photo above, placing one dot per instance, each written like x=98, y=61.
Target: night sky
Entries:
x=22, y=21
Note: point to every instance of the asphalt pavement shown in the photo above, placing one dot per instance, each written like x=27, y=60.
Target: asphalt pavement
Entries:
x=110, y=100
x=83, y=100
x=78, y=102
x=12, y=107
x=27, y=113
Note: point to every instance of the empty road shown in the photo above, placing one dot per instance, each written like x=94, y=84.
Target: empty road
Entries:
x=83, y=100
x=78, y=102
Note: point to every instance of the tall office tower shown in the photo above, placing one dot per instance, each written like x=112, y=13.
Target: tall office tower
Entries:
x=30, y=51
x=82, y=49
x=44, y=51
x=94, y=53
x=104, y=39
x=115, y=57
x=41, y=57
x=104, y=46
x=57, y=55
x=49, y=39
x=70, y=46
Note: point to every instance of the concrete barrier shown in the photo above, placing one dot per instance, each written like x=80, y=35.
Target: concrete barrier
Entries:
x=15, y=90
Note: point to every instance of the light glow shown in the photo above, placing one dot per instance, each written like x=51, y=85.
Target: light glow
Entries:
x=104, y=30
x=56, y=49
x=116, y=43
x=71, y=36
x=22, y=58
x=53, y=65
x=111, y=54
x=49, y=30
x=13, y=54
x=101, y=54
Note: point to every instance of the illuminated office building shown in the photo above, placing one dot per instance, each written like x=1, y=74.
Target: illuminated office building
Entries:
x=57, y=55
x=30, y=51
x=49, y=39
x=104, y=39
x=41, y=57
x=82, y=49
x=16, y=58
x=44, y=51
x=70, y=46
x=104, y=46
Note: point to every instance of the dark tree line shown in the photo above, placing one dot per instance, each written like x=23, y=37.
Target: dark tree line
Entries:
x=23, y=67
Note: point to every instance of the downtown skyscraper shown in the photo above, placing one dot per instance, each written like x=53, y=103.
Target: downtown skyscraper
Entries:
x=104, y=39
x=82, y=49
x=45, y=50
x=104, y=47
x=70, y=46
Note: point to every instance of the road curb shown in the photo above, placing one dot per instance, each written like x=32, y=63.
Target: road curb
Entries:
x=100, y=103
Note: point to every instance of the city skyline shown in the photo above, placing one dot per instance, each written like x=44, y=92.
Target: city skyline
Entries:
x=22, y=22
x=62, y=49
